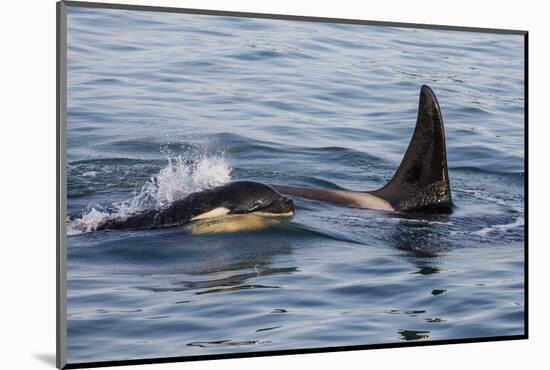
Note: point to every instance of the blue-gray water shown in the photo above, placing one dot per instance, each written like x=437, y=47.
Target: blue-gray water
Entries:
x=163, y=104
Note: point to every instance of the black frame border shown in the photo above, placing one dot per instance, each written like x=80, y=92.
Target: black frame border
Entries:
x=61, y=124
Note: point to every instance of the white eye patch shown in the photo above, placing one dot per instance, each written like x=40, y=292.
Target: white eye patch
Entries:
x=216, y=212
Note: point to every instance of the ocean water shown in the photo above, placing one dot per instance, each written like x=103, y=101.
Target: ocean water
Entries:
x=161, y=105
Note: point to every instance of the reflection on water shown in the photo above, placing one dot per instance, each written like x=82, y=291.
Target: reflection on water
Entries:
x=414, y=334
x=225, y=343
x=233, y=282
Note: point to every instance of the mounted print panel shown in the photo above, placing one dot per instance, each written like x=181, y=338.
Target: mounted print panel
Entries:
x=239, y=184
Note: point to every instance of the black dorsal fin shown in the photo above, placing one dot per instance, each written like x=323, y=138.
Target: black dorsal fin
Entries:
x=421, y=183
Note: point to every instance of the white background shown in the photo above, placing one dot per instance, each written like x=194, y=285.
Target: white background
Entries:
x=27, y=145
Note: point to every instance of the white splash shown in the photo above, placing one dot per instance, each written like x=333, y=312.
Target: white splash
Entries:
x=179, y=178
x=91, y=218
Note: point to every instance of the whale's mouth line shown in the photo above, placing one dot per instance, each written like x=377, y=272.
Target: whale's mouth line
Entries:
x=224, y=212
x=289, y=214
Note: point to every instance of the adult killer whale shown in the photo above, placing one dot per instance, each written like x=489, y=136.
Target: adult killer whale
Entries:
x=421, y=182
x=234, y=198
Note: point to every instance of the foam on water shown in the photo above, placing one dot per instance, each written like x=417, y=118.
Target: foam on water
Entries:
x=502, y=228
x=91, y=218
x=180, y=177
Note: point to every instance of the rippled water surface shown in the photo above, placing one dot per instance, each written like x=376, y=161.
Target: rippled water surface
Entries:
x=161, y=105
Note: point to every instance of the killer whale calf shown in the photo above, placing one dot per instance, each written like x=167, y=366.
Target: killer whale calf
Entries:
x=421, y=182
x=234, y=198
